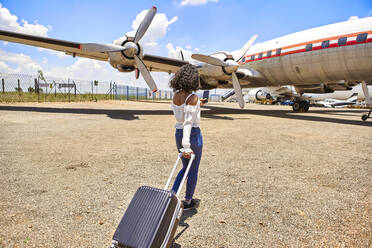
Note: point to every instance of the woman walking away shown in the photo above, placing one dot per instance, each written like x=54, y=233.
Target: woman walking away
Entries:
x=186, y=109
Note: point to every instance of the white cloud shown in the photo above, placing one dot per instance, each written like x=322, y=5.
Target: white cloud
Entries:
x=84, y=68
x=188, y=47
x=175, y=52
x=18, y=63
x=10, y=22
x=59, y=54
x=352, y=18
x=196, y=2
x=197, y=49
x=157, y=30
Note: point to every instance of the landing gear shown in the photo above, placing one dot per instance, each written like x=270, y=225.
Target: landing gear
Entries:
x=368, y=101
x=301, y=106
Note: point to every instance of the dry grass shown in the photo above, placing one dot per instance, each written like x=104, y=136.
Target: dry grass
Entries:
x=268, y=177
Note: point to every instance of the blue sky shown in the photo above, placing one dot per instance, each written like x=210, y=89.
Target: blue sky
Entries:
x=197, y=26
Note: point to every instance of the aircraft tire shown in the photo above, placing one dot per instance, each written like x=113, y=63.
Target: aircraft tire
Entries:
x=306, y=106
x=364, y=117
x=296, y=106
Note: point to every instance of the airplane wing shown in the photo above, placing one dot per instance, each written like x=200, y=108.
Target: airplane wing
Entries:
x=163, y=64
x=68, y=47
x=250, y=78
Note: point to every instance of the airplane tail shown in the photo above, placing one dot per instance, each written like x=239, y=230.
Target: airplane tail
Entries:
x=353, y=98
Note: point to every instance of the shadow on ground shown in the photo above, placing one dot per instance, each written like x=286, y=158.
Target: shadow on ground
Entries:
x=209, y=111
x=183, y=225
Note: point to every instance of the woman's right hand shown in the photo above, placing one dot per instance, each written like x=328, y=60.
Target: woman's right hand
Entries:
x=187, y=154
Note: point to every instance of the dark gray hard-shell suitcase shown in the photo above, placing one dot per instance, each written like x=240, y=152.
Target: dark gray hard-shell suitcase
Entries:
x=152, y=216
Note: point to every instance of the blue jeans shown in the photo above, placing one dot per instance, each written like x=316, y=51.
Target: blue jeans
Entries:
x=196, y=142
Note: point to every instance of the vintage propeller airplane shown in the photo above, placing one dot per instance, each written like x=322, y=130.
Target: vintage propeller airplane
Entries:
x=317, y=60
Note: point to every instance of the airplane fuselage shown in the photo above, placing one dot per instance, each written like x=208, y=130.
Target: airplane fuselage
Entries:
x=341, y=51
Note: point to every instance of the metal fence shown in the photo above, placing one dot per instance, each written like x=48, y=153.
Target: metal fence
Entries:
x=125, y=92
x=28, y=88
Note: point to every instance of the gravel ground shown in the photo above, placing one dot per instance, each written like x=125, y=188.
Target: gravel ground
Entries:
x=268, y=177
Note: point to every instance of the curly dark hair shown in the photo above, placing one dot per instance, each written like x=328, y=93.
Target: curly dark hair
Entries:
x=186, y=78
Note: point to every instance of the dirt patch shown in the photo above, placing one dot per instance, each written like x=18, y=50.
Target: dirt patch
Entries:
x=268, y=177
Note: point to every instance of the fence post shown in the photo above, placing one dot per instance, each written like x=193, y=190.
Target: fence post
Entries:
x=19, y=87
x=146, y=93
x=37, y=89
x=92, y=90
x=136, y=93
x=127, y=92
x=112, y=93
x=3, y=83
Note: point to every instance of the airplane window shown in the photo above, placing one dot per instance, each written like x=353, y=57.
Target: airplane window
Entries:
x=252, y=57
x=268, y=54
x=342, y=41
x=278, y=51
x=260, y=56
x=309, y=47
x=325, y=43
x=361, y=37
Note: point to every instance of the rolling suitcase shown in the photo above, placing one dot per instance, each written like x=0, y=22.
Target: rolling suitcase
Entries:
x=152, y=216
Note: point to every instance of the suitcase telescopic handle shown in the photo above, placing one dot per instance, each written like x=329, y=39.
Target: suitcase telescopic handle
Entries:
x=184, y=176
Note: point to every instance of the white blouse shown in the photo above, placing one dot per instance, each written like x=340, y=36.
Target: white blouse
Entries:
x=187, y=116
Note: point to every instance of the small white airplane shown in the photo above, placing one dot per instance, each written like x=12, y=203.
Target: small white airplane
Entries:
x=334, y=103
x=340, y=94
x=314, y=60
x=287, y=92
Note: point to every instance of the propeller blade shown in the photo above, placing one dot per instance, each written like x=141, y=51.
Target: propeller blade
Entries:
x=145, y=24
x=97, y=47
x=208, y=59
x=238, y=90
x=145, y=74
x=240, y=53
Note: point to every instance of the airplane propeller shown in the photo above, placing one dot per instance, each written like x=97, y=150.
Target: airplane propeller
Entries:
x=229, y=66
x=131, y=48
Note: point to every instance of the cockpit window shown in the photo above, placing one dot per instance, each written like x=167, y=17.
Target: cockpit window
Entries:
x=278, y=51
x=260, y=55
x=268, y=54
x=252, y=57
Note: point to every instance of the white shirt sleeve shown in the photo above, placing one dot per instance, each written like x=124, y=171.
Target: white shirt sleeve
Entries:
x=191, y=115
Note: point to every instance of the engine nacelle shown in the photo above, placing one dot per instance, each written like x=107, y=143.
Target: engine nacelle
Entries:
x=124, y=60
x=213, y=71
x=258, y=95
